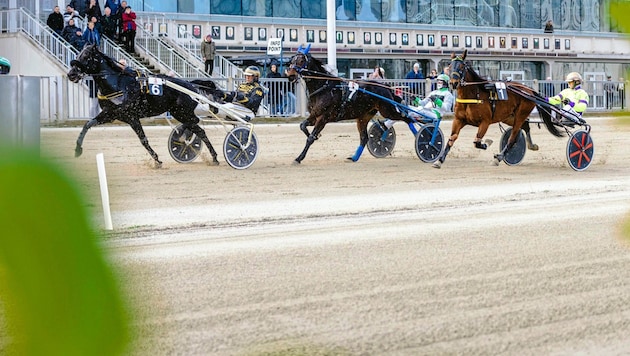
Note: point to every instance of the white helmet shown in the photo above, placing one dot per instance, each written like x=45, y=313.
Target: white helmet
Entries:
x=574, y=77
x=252, y=70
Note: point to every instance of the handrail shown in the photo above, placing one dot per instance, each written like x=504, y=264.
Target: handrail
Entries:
x=113, y=50
x=227, y=69
x=165, y=55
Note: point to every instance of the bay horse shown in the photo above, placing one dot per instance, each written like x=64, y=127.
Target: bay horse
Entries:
x=478, y=104
x=331, y=101
x=124, y=96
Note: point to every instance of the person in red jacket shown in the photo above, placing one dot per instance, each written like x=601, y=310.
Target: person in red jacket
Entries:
x=129, y=29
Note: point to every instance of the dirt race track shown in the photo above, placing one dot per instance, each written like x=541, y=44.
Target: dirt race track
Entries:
x=380, y=257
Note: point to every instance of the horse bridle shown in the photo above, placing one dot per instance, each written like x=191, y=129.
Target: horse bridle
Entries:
x=297, y=68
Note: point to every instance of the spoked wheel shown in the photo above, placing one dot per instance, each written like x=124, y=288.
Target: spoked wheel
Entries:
x=516, y=154
x=427, y=149
x=239, y=148
x=580, y=150
x=184, y=146
x=381, y=141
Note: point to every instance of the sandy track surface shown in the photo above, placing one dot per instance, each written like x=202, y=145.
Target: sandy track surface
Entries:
x=382, y=256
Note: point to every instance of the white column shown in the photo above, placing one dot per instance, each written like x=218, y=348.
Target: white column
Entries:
x=331, y=35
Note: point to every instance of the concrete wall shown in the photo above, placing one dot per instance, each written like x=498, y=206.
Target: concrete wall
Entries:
x=26, y=57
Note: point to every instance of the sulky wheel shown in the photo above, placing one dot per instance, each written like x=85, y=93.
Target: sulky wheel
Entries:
x=184, y=146
x=381, y=141
x=429, y=149
x=580, y=150
x=239, y=148
x=516, y=154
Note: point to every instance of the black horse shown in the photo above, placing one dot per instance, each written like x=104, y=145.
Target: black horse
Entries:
x=331, y=101
x=124, y=96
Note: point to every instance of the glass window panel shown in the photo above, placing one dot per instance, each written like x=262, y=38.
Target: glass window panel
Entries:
x=368, y=10
x=313, y=9
x=346, y=9
x=222, y=7
x=530, y=14
x=591, y=17
x=185, y=6
x=201, y=6
x=286, y=8
x=442, y=12
x=394, y=11
x=509, y=13
x=257, y=8
x=487, y=14
x=465, y=12
x=418, y=11
x=546, y=13
x=154, y=5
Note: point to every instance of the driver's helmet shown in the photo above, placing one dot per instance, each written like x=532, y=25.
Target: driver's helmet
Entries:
x=442, y=81
x=574, y=77
x=253, y=71
x=5, y=66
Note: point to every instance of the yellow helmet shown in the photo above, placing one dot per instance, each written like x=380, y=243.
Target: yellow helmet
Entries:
x=574, y=77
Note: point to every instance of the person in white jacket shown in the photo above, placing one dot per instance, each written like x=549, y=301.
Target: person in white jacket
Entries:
x=437, y=103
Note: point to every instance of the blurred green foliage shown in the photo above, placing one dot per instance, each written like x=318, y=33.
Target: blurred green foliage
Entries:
x=59, y=294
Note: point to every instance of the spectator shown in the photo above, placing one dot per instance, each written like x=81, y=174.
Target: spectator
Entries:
x=609, y=89
x=55, y=20
x=109, y=24
x=81, y=6
x=208, y=51
x=574, y=99
x=112, y=5
x=94, y=10
x=621, y=89
x=129, y=29
x=433, y=75
x=275, y=91
x=91, y=36
x=414, y=85
x=549, y=26
x=379, y=73
x=73, y=35
x=118, y=14
x=289, y=106
x=70, y=13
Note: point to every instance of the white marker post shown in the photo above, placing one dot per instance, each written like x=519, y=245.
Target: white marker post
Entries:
x=102, y=178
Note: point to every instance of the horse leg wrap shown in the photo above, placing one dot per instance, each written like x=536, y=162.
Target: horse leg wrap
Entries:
x=357, y=154
x=481, y=146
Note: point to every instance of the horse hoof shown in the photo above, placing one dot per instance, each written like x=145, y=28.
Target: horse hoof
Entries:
x=437, y=164
x=296, y=163
x=533, y=147
x=78, y=152
x=496, y=162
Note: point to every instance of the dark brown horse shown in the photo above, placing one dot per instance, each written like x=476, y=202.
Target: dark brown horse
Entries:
x=479, y=103
x=331, y=100
x=121, y=98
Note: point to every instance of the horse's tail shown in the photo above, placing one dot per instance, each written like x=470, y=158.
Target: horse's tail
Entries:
x=208, y=87
x=544, y=112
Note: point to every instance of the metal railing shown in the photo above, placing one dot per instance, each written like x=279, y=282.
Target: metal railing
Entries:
x=166, y=56
x=20, y=20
